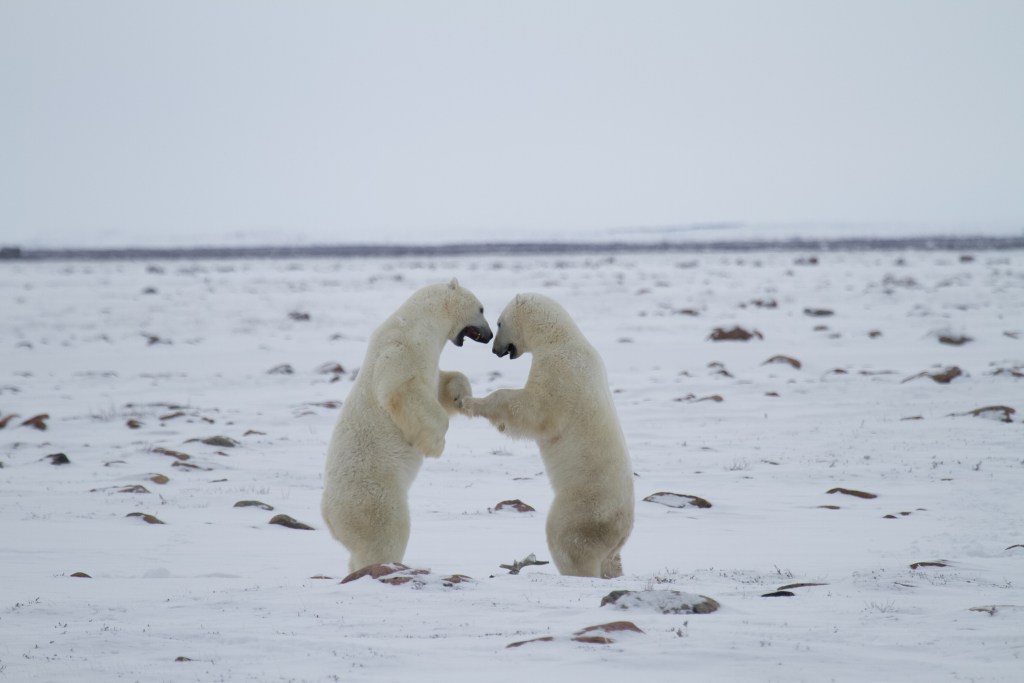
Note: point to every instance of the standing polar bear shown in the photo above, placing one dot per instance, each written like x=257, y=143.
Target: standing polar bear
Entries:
x=396, y=413
x=567, y=408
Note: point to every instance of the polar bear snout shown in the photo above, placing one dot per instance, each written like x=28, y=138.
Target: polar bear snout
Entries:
x=509, y=349
x=477, y=334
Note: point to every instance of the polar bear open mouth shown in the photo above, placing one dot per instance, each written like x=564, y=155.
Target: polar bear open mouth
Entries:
x=474, y=333
x=510, y=350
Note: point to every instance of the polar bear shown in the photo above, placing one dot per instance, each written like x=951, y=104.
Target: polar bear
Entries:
x=566, y=407
x=396, y=413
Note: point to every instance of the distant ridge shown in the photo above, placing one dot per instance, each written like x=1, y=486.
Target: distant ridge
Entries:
x=937, y=243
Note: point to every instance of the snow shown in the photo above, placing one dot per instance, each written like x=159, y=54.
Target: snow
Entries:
x=84, y=343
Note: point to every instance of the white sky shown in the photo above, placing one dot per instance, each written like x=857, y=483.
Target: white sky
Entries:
x=203, y=121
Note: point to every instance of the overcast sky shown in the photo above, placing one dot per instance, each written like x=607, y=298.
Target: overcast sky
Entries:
x=203, y=121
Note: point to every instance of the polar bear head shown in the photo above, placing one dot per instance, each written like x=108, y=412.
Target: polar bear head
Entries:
x=465, y=313
x=529, y=323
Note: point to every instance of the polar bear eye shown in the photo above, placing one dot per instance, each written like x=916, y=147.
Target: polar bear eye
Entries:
x=499, y=323
x=481, y=309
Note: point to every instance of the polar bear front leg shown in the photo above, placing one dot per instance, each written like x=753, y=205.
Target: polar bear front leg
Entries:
x=452, y=389
x=415, y=410
x=510, y=410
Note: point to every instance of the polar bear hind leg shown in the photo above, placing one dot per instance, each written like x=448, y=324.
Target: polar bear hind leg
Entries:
x=373, y=531
x=580, y=547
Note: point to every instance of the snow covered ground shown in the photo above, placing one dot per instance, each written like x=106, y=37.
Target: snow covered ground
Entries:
x=136, y=361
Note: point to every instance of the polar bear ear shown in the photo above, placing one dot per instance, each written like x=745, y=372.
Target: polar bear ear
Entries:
x=520, y=299
x=454, y=284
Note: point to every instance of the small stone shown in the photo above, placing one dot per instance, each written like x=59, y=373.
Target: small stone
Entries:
x=818, y=312
x=282, y=369
x=133, y=424
x=159, y=479
x=291, y=523
x=779, y=594
x=80, y=575
x=182, y=659
x=299, y=316
x=58, y=459
x=135, y=488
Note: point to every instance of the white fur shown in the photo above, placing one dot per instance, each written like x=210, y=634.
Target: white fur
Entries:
x=566, y=407
x=396, y=412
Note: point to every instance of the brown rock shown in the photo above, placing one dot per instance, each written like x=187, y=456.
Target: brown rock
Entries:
x=542, y=639
x=376, y=571
x=938, y=563
x=662, y=601
x=785, y=360
x=954, y=340
x=610, y=627
x=594, y=640
x=735, y=334
x=7, y=418
x=331, y=369
x=291, y=523
x=174, y=454
x=37, y=421
x=135, y=488
x=159, y=479
x=1001, y=413
x=515, y=504
x=148, y=519
x=677, y=500
x=253, y=504
x=852, y=492
x=80, y=575
x=133, y=424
